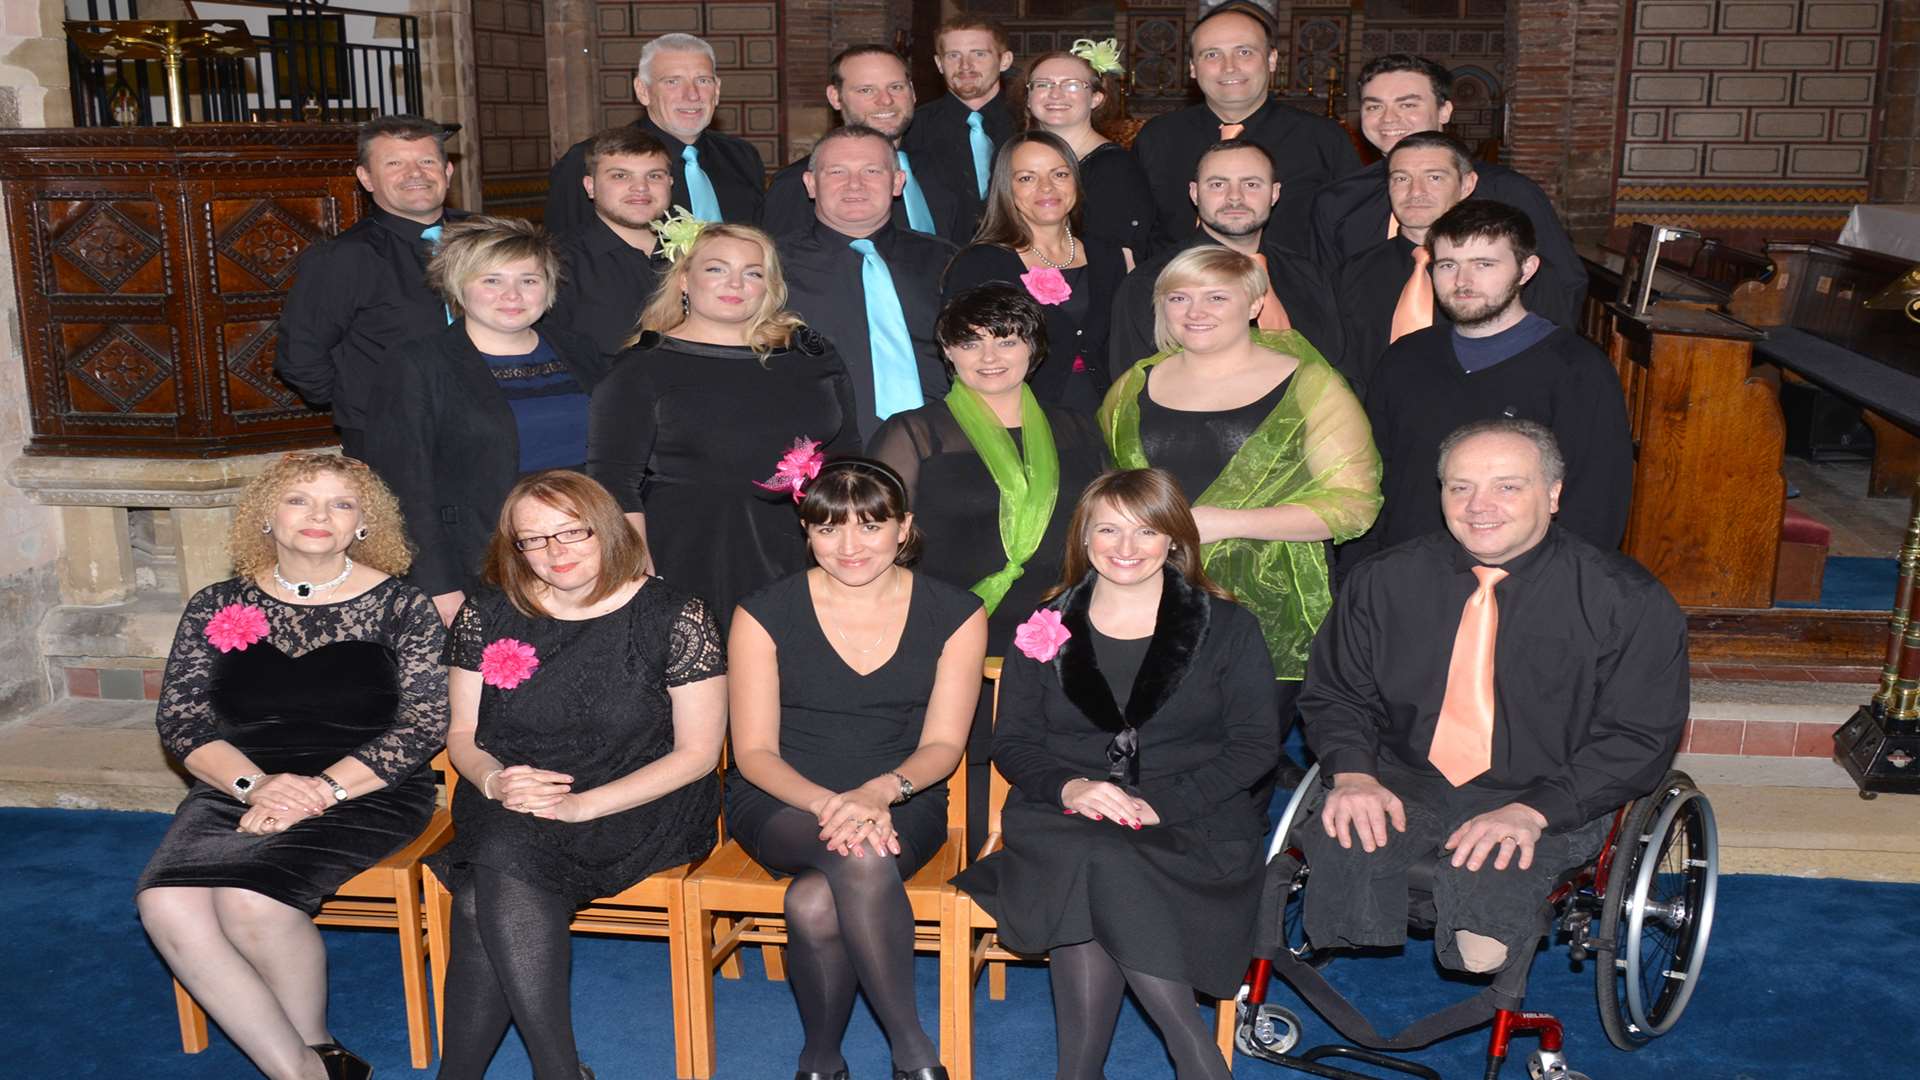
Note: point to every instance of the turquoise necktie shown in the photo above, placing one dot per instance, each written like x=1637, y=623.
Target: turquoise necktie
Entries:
x=982, y=151
x=706, y=205
x=431, y=234
x=896, y=375
x=919, y=215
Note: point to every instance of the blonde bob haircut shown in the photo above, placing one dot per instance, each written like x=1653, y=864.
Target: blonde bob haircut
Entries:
x=480, y=245
x=386, y=547
x=1209, y=266
x=770, y=328
x=623, y=556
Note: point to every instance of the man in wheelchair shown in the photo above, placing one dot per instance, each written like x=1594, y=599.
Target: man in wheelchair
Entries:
x=1488, y=697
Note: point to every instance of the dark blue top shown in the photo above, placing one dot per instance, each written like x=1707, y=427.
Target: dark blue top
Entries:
x=549, y=407
x=1479, y=354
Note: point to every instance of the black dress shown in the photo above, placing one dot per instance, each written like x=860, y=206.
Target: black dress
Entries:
x=359, y=677
x=841, y=729
x=1075, y=373
x=1117, y=203
x=680, y=431
x=596, y=708
x=1178, y=899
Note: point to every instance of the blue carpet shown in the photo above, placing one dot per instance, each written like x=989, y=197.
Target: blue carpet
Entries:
x=1807, y=979
x=1853, y=583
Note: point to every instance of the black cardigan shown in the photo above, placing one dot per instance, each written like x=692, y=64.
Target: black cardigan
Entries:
x=444, y=439
x=979, y=264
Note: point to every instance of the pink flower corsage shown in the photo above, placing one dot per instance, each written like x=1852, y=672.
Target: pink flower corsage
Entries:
x=236, y=626
x=1046, y=285
x=507, y=663
x=798, y=465
x=1041, y=636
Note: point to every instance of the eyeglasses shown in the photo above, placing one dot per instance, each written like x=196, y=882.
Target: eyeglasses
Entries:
x=1067, y=86
x=565, y=536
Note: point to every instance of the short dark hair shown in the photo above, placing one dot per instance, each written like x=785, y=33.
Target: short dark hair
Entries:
x=1484, y=219
x=852, y=52
x=997, y=309
x=400, y=126
x=849, y=131
x=625, y=139
x=1436, y=73
x=1235, y=7
x=1225, y=145
x=851, y=489
x=1435, y=140
x=1553, y=464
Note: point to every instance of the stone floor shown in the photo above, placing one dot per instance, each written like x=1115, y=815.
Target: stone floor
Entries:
x=1835, y=493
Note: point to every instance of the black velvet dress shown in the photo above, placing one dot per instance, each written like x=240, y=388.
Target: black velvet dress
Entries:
x=597, y=709
x=360, y=678
x=680, y=431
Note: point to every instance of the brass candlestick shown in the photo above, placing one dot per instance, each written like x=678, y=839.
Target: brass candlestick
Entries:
x=167, y=40
x=1902, y=295
x=1880, y=745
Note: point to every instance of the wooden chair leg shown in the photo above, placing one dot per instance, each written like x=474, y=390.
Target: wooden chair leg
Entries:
x=1226, y=1018
x=439, y=911
x=700, y=930
x=730, y=967
x=193, y=1020
x=775, y=959
x=682, y=976
x=956, y=987
x=997, y=980
x=413, y=962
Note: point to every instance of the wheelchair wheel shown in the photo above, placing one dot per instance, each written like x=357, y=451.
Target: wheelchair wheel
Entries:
x=1657, y=913
x=1266, y=1033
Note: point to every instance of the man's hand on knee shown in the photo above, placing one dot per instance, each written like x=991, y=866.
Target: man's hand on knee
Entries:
x=1513, y=827
x=1361, y=805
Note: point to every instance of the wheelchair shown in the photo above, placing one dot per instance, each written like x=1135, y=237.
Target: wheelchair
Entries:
x=1642, y=912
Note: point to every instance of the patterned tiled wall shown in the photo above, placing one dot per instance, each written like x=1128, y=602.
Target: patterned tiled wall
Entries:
x=1473, y=49
x=745, y=35
x=1749, y=114
x=510, y=90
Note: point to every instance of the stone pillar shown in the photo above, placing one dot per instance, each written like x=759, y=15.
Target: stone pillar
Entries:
x=570, y=34
x=1896, y=166
x=96, y=555
x=202, y=546
x=1563, y=98
x=446, y=75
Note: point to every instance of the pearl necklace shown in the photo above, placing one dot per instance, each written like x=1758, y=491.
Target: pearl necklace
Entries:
x=1049, y=263
x=304, y=589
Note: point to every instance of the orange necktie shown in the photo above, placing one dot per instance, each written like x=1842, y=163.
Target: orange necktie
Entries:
x=1393, y=225
x=1463, y=736
x=1414, y=311
x=1273, y=315
x=1231, y=131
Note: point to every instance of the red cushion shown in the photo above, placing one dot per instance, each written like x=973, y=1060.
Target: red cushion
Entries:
x=1798, y=528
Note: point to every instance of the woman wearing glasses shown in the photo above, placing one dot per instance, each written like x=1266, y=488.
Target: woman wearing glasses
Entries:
x=589, y=702
x=1075, y=94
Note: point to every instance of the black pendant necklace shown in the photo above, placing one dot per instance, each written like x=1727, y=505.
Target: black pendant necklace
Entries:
x=305, y=589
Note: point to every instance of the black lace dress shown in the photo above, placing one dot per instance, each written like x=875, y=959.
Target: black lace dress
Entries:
x=360, y=677
x=595, y=708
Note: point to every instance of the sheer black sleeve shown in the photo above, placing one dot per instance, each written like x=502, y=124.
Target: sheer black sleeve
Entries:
x=694, y=651
x=466, y=638
x=621, y=428
x=185, y=715
x=420, y=720
x=902, y=443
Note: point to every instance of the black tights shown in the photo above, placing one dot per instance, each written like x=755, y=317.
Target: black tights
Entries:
x=1087, y=984
x=512, y=961
x=848, y=926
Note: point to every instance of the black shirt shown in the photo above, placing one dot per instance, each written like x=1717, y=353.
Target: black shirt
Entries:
x=1370, y=286
x=1076, y=328
x=1195, y=446
x=605, y=282
x=1350, y=215
x=1589, y=685
x=1421, y=394
x=789, y=209
x=1116, y=204
x=739, y=177
x=939, y=134
x=353, y=297
x=1309, y=152
x=824, y=285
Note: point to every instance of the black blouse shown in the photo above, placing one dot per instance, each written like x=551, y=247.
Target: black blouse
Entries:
x=1116, y=203
x=1196, y=446
x=1072, y=330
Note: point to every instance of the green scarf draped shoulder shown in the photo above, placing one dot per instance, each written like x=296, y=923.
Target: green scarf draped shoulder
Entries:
x=1315, y=449
x=1028, y=488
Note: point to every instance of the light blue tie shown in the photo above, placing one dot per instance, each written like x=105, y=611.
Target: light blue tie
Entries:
x=896, y=375
x=919, y=215
x=706, y=205
x=982, y=151
x=431, y=234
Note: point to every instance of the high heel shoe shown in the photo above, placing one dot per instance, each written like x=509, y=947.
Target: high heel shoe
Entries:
x=342, y=1063
x=803, y=1074
x=925, y=1072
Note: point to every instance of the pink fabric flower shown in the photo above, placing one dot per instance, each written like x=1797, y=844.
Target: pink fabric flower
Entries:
x=1046, y=285
x=507, y=663
x=1041, y=636
x=236, y=626
x=1079, y=364
x=798, y=465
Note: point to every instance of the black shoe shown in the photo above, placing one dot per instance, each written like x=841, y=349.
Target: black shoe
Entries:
x=927, y=1072
x=802, y=1074
x=342, y=1063
x=586, y=1073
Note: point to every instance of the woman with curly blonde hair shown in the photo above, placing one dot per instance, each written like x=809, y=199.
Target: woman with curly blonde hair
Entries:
x=305, y=695
x=720, y=382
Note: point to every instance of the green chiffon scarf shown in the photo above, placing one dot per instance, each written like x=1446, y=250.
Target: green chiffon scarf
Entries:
x=1315, y=449
x=1028, y=489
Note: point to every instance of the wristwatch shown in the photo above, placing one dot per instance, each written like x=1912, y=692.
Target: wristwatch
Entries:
x=243, y=785
x=906, y=787
x=339, y=793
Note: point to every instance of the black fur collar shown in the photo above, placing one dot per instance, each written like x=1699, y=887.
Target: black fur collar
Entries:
x=1180, y=628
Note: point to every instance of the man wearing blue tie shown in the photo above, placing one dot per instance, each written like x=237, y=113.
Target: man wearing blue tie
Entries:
x=962, y=131
x=869, y=286
x=718, y=177
x=871, y=87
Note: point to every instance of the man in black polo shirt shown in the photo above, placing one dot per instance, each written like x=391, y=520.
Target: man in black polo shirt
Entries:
x=610, y=265
x=718, y=177
x=365, y=289
x=1233, y=61
x=960, y=132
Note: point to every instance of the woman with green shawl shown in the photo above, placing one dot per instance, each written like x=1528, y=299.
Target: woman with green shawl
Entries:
x=1265, y=437
x=991, y=473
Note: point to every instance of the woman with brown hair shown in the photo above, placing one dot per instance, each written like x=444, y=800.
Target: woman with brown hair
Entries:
x=1136, y=720
x=305, y=695
x=1076, y=94
x=719, y=381
x=589, y=703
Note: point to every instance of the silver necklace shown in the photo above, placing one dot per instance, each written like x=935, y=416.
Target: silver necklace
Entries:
x=892, y=588
x=304, y=589
x=1049, y=263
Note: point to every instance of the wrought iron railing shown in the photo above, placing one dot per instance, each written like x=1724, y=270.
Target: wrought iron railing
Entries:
x=305, y=68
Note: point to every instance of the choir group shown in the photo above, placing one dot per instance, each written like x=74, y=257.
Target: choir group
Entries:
x=1201, y=436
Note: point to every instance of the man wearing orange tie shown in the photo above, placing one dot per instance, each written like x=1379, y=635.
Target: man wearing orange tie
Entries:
x=1486, y=696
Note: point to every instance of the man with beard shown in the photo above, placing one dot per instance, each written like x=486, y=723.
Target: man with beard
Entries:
x=1234, y=59
x=1400, y=95
x=1494, y=359
x=871, y=87
x=959, y=134
x=716, y=176
x=1234, y=191
x=610, y=265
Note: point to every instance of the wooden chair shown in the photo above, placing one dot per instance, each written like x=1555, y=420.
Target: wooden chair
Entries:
x=384, y=896
x=971, y=937
x=733, y=901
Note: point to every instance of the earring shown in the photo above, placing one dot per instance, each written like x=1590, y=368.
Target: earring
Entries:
x=360, y=533
x=266, y=527
x=686, y=305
